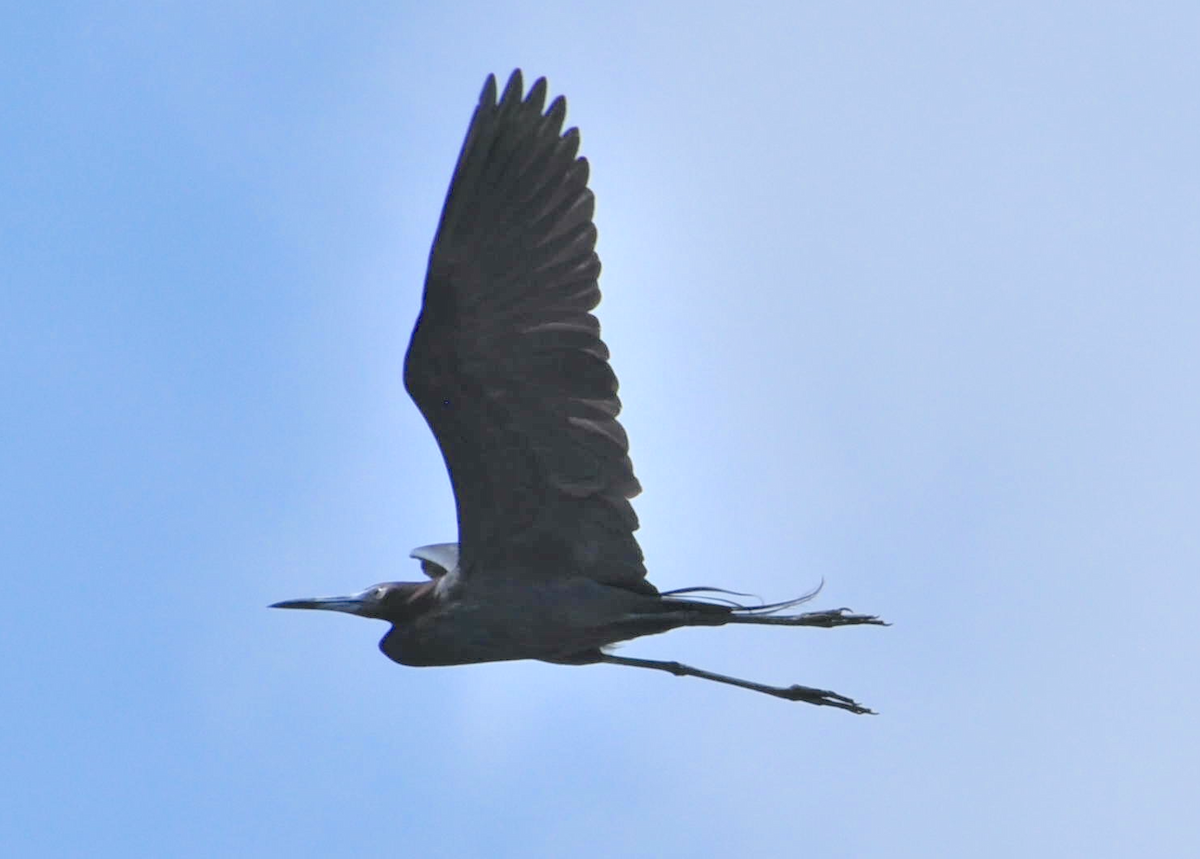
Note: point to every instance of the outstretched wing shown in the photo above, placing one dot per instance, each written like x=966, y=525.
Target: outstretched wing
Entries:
x=506, y=362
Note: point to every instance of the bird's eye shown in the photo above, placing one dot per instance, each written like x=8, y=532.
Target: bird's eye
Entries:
x=379, y=593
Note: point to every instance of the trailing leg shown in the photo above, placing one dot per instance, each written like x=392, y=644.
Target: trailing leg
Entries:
x=807, y=694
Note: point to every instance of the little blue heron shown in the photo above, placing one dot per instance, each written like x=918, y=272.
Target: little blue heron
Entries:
x=507, y=366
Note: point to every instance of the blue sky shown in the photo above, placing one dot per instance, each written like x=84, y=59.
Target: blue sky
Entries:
x=903, y=296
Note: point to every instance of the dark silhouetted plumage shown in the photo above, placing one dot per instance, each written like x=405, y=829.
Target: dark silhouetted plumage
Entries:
x=507, y=366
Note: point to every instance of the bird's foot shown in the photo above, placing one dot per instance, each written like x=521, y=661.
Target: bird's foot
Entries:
x=838, y=617
x=823, y=698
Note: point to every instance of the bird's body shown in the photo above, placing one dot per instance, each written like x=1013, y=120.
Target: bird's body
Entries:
x=507, y=366
x=564, y=620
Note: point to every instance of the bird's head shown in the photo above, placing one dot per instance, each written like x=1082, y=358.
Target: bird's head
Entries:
x=389, y=601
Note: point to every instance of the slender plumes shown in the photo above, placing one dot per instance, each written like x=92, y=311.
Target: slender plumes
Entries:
x=761, y=608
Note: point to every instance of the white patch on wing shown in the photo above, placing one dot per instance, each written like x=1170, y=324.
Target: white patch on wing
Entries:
x=444, y=555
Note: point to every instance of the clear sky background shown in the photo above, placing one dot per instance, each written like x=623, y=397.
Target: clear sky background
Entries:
x=902, y=295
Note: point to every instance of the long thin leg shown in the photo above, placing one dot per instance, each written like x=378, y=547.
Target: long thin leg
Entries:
x=821, y=697
x=827, y=619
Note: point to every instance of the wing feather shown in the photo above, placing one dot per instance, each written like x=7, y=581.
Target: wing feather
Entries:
x=506, y=361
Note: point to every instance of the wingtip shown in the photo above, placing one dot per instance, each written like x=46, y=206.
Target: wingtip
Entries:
x=487, y=96
x=537, y=95
x=514, y=92
x=515, y=88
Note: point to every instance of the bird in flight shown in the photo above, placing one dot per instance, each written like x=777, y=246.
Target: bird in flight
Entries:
x=507, y=366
